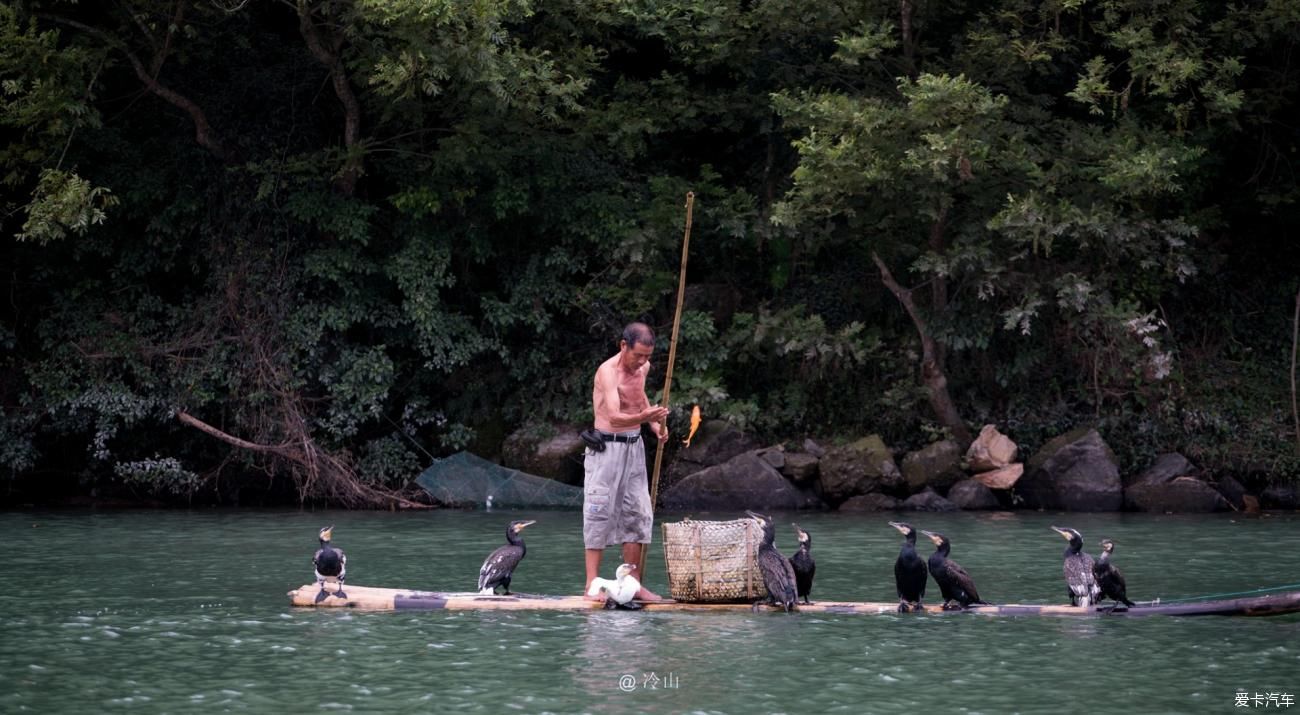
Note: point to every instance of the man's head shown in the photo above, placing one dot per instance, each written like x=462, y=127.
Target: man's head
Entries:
x=636, y=346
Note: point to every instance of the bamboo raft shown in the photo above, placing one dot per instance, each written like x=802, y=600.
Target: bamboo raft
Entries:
x=396, y=599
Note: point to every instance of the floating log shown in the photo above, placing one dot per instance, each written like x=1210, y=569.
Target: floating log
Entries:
x=396, y=599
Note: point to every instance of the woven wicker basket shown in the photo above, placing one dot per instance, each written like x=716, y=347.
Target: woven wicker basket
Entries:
x=713, y=561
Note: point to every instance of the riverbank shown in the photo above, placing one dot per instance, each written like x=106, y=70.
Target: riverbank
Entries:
x=725, y=468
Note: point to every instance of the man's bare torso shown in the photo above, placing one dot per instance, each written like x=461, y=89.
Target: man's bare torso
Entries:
x=631, y=394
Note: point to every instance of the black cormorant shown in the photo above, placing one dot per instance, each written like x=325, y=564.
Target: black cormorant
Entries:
x=330, y=563
x=1110, y=581
x=910, y=573
x=954, y=583
x=1078, y=569
x=500, y=565
x=803, y=564
x=778, y=574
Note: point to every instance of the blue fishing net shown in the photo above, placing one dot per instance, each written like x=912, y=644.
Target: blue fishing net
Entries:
x=465, y=479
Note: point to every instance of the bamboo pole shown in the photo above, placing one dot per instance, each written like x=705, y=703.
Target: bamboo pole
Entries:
x=391, y=599
x=672, y=357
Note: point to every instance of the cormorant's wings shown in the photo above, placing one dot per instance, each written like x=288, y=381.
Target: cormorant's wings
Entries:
x=621, y=591
x=497, y=565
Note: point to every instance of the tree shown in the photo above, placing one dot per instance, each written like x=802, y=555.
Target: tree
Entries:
x=1015, y=216
x=344, y=237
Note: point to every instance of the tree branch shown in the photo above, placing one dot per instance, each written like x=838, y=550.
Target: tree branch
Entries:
x=346, y=182
x=280, y=449
x=161, y=55
x=139, y=23
x=939, y=286
x=339, y=481
x=932, y=374
x=203, y=132
x=904, y=295
x=1295, y=342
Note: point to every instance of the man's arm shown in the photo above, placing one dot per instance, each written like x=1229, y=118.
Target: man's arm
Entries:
x=621, y=421
x=658, y=425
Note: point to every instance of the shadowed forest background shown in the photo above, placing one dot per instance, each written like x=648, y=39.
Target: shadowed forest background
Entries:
x=295, y=249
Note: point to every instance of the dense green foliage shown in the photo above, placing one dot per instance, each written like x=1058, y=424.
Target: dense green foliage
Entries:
x=359, y=233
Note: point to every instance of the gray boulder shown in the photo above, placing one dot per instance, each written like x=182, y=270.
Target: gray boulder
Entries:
x=991, y=450
x=971, y=495
x=800, y=467
x=554, y=451
x=1003, y=478
x=1232, y=490
x=928, y=500
x=863, y=466
x=746, y=481
x=714, y=443
x=1182, y=495
x=1074, y=472
x=1279, y=496
x=871, y=502
x=936, y=465
x=813, y=448
x=1166, y=468
x=774, y=456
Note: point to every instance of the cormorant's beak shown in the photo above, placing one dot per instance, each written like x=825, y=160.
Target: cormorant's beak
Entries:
x=933, y=537
x=327, y=533
x=1064, y=533
x=523, y=526
x=903, y=528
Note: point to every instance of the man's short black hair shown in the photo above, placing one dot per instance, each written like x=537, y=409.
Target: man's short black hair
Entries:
x=640, y=333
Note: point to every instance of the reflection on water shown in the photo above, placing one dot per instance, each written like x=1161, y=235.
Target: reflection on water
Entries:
x=612, y=641
x=166, y=612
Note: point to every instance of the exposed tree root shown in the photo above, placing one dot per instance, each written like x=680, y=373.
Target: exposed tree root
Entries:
x=318, y=473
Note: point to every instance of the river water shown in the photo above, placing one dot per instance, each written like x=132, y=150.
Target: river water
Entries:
x=155, y=611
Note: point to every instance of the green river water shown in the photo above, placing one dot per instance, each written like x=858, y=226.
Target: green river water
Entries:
x=155, y=611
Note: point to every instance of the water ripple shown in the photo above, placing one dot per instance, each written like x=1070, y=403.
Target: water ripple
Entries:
x=185, y=633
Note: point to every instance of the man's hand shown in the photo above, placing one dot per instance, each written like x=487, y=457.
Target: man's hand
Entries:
x=660, y=430
x=654, y=414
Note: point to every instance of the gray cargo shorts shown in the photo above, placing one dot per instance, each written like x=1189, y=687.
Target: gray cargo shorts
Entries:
x=616, y=499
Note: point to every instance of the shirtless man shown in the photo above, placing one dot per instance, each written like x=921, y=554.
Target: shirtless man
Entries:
x=616, y=506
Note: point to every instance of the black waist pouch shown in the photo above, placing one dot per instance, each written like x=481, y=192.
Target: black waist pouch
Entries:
x=593, y=440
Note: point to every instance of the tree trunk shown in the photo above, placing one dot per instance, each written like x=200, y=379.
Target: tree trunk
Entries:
x=905, y=8
x=346, y=181
x=932, y=374
x=1295, y=342
x=939, y=284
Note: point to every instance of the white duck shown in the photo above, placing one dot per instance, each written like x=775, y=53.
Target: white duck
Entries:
x=620, y=591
